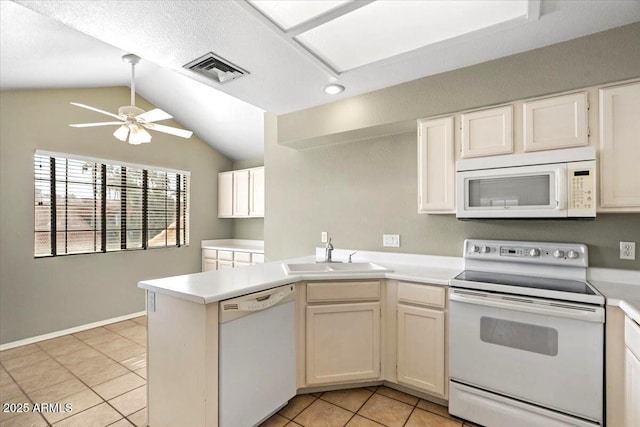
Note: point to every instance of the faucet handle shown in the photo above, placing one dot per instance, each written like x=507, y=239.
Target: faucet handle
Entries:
x=352, y=254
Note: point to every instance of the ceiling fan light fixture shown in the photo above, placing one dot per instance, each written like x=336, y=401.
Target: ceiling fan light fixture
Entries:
x=134, y=120
x=333, y=89
x=121, y=133
x=139, y=136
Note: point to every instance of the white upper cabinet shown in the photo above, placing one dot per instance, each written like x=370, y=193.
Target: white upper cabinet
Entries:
x=487, y=132
x=225, y=194
x=620, y=148
x=256, y=192
x=241, y=193
x=558, y=122
x=436, y=166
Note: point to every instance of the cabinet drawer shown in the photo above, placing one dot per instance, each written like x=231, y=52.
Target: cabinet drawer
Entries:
x=434, y=296
x=210, y=253
x=343, y=291
x=257, y=258
x=225, y=255
x=242, y=256
x=632, y=336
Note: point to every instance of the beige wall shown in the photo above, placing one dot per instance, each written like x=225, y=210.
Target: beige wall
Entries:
x=357, y=191
x=39, y=296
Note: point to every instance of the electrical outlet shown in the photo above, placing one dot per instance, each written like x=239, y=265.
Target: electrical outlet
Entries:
x=323, y=237
x=627, y=250
x=391, y=240
x=151, y=301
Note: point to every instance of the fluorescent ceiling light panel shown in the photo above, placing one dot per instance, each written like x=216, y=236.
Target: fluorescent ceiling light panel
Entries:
x=287, y=13
x=384, y=29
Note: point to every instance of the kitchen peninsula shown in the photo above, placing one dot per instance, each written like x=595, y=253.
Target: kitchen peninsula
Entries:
x=184, y=333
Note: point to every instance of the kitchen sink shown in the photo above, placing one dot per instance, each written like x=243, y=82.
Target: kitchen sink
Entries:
x=333, y=268
x=306, y=268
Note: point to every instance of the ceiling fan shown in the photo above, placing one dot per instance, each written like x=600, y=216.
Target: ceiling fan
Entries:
x=134, y=121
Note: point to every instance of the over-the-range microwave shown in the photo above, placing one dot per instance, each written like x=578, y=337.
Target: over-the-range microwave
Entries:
x=549, y=184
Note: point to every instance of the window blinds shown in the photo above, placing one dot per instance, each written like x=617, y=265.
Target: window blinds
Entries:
x=85, y=205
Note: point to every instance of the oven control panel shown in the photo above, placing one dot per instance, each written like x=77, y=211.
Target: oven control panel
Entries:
x=565, y=254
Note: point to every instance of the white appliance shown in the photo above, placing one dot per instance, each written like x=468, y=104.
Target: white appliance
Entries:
x=257, y=353
x=550, y=184
x=526, y=336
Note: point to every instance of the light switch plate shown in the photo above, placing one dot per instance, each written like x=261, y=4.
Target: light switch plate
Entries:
x=323, y=237
x=391, y=240
x=628, y=250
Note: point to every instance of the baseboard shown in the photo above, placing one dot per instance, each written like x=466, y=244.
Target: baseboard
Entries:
x=80, y=328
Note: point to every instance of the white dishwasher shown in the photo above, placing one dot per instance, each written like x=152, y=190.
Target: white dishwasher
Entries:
x=257, y=368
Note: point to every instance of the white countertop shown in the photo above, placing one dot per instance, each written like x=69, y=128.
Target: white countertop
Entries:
x=237, y=245
x=620, y=287
x=214, y=286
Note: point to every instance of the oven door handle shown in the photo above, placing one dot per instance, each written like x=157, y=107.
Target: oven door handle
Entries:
x=556, y=309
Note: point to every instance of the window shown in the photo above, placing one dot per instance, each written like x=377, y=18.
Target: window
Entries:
x=85, y=205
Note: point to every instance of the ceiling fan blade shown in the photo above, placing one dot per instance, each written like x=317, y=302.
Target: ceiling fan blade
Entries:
x=88, y=125
x=97, y=110
x=154, y=115
x=168, y=129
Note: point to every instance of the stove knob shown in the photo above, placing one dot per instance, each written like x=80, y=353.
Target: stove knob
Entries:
x=485, y=249
x=558, y=253
x=475, y=248
x=534, y=252
x=572, y=255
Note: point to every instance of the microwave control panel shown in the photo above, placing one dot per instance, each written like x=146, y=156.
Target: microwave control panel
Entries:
x=581, y=195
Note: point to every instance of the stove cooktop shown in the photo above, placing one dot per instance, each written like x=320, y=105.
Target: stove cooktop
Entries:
x=544, y=283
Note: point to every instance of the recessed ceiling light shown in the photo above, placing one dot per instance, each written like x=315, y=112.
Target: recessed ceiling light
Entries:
x=333, y=89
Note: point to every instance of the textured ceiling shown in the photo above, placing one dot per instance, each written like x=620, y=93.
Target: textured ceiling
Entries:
x=79, y=44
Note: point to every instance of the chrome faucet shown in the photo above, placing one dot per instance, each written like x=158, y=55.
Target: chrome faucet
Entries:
x=328, y=250
x=352, y=254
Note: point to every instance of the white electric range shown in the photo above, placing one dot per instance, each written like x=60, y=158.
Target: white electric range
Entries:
x=526, y=336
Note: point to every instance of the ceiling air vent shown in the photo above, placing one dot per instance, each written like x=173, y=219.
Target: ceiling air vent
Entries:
x=216, y=68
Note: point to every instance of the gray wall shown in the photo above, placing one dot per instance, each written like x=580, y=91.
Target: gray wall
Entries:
x=360, y=190
x=39, y=296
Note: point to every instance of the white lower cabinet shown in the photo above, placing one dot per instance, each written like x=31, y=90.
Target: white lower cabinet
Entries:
x=213, y=259
x=632, y=373
x=342, y=331
x=421, y=338
x=632, y=390
x=421, y=348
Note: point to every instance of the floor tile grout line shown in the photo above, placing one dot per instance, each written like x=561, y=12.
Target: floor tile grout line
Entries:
x=25, y=394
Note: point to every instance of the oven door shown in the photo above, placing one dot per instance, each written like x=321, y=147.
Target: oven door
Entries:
x=544, y=352
x=516, y=192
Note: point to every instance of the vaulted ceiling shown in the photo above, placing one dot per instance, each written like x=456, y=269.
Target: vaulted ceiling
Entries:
x=290, y=50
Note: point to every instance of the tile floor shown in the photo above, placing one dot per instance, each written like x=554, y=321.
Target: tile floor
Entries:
x=101, y=374
x=362, y=407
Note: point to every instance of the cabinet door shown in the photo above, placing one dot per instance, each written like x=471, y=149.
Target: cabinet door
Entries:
x=225, y=194
x=436, y=166
x=632, y=390
x=620, y=147
x=241, y=193
x=421, y=349
x=558, y=122
x=256, y=192
x=224, y=264
x=209, y=264
x=336, y=353
x=487, y=132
